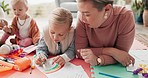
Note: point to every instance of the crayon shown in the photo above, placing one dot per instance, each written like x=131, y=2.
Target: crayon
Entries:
x=109, y=75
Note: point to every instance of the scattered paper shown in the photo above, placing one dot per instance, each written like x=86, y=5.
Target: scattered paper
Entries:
x=141, y=54
x=29, y=49
x=141, y=57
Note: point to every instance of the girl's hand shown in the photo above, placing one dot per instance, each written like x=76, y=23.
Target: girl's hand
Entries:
x=39, y=62
x=40, y=59
x=59, y=60
x=6, y=29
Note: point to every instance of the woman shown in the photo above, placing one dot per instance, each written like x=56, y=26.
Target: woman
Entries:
x=104, y=34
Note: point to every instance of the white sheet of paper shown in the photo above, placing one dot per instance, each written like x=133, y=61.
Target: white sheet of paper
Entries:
x=29, y=49
x=69, y=70
x=140, y=54
x=141, y=57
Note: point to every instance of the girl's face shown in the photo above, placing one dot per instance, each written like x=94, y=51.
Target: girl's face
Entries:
x=90, y=15
x=20, y=9
x=58, y=32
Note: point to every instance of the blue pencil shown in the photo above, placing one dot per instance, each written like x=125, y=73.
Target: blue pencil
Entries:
x=108, y=75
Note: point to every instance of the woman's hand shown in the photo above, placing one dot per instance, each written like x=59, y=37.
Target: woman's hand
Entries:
x=123, y=57
x=59, y=60
x=88, y=56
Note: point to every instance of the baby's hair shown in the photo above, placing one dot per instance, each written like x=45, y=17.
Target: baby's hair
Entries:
x=13, y=2
x=61, y=16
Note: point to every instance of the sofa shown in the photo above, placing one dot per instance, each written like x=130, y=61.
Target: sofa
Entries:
x=68, y=4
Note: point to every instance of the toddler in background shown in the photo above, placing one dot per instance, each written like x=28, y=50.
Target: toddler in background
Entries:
x=23, y=26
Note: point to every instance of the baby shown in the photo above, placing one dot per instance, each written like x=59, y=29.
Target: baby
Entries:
x=23, y=26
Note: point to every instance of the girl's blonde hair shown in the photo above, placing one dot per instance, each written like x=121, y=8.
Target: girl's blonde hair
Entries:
x=13, y=2
x=61, y=16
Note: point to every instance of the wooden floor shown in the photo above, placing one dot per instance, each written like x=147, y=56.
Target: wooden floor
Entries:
x=141, y=29
x=142, y=34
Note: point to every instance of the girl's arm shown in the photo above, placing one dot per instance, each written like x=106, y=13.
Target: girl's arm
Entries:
x=70, y=53
x=42, y=47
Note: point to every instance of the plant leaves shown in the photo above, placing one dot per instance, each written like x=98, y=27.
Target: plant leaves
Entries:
x=5, y=7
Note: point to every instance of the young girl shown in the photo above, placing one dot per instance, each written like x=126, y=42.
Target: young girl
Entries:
x=58, y=38
x=23, y=26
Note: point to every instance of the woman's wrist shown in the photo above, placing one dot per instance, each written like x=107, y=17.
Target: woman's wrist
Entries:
x=98, y=61
x=107, y=51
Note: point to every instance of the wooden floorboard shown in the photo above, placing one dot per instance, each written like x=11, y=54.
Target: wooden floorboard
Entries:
x=142, y=34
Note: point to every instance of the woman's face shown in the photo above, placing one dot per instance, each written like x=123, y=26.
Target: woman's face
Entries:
x=90, y=15
x=58, y=32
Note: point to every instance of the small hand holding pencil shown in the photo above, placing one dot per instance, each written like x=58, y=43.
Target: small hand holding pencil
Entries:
x=48, y=65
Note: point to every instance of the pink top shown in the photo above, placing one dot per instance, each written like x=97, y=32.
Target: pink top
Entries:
x=117, y=32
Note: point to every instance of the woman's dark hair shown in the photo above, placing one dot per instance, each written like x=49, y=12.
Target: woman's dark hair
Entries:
x=99, y=4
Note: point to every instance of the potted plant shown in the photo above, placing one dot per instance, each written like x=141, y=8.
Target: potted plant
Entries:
x=138, y=8
x=5, y=7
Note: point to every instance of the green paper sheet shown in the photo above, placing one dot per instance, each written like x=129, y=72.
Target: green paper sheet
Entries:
x=115, y=70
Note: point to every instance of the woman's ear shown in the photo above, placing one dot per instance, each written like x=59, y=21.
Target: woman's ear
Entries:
x=70, y=28
x=26, y=8
x=108, y=7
